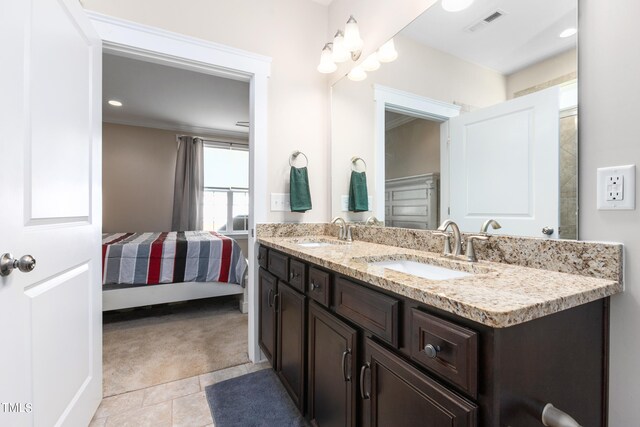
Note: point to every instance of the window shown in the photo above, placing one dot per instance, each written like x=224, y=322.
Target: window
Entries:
x=226, y=187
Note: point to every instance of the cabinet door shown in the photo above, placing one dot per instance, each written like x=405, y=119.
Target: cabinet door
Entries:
x=268, y=286
x=396, y=394
x=291, y=346
x=332, y=356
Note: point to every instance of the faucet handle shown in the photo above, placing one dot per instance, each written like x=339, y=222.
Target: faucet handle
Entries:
x=348, y=236
x=470, y=252
x=447, y=242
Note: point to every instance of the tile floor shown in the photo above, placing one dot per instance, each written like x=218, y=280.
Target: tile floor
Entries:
x=175, y=404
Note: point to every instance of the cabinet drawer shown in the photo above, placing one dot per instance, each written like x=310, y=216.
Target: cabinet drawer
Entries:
x=262, y=257
x=318, y=286
x=372, y=310
x=279, y=265
x=297, y=274
x=456, y=355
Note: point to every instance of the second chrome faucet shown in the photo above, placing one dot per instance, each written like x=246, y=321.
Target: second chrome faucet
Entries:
x=469, y=253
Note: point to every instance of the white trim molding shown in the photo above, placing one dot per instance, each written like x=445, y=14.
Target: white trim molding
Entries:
x=133, y=40
x=397, y=101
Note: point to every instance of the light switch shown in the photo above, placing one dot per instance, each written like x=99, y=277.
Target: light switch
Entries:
x=616, y=188
x=280, y=202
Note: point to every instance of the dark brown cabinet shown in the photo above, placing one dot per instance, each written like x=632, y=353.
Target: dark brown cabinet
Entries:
x=351, y=354
x=291, y=321
x=267, y=287
x=396, y=394
x=332, y=357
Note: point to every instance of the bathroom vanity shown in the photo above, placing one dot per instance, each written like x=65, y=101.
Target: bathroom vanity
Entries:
x=358, y=344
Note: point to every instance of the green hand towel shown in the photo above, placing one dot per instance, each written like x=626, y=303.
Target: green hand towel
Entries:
x=299, y=190
x=358, y=197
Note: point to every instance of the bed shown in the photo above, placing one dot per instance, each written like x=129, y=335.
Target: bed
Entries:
x=140, y=269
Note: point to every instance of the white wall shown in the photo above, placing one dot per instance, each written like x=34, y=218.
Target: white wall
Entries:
x=609, y=67
x=542, y=72
x=292, y=32
x=412, y=149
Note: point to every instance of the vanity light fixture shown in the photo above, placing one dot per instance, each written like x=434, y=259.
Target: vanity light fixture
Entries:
x=327, y=65
x=345, y=45
x=568, y=32
x=340, y=52
x=352, y=40
x=387, y=52
x=357, y=74
x=114, y=103
x=456, y=5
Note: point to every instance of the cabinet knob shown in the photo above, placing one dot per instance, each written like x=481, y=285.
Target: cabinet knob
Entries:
x=314, y=286
x=432, y=350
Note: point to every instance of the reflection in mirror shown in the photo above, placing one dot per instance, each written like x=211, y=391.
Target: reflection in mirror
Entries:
x=476, y=119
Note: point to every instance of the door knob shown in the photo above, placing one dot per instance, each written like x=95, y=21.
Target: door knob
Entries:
x=548, y=231
x=8, y=263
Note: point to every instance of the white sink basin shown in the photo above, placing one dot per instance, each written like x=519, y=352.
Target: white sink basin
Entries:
x=314, y=244
x=427, y=271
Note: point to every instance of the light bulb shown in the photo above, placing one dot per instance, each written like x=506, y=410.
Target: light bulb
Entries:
x=352, y=40
x=387, y=52
x=568, y=32
x=371, y=63
x=115, y=103
x=357, y=74
x=326, y=65
x=456, y=5
x=340, y=53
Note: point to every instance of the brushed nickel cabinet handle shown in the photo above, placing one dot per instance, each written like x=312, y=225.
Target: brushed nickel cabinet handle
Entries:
x=363, y=370
x=347, y=377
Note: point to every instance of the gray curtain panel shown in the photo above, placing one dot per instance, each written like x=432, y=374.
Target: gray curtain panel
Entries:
x=188, y=191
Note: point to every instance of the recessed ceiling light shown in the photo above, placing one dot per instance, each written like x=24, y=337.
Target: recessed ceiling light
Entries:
x=568, y=32
x=455, y=5
x=115, y=103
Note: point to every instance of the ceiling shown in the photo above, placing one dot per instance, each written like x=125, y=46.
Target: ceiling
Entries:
x=164, y=97
x=527, y=32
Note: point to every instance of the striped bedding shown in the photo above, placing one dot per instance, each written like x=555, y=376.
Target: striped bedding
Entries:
x=170, y=257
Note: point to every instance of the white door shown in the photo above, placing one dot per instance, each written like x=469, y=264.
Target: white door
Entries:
x=504, y=165
x=50, y=175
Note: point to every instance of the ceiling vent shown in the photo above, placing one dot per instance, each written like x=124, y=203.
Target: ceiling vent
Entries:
x=489, y=19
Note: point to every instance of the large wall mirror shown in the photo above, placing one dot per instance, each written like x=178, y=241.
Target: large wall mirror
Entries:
x=475, y=119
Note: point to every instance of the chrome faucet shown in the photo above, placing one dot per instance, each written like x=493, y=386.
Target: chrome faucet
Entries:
x=345, y=231
x=490, y=222
x=457, y=238
x=372, y=220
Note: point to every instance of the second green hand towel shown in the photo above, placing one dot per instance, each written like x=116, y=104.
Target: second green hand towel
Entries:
x=358, y=197
x=300, y=196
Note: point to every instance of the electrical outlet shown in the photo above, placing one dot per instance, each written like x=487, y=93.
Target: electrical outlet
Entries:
x=616, y=188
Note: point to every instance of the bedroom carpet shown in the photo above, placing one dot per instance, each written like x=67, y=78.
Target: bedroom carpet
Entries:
x=150, y=346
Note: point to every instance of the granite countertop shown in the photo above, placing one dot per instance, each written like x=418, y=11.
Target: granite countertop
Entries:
x=497, y=295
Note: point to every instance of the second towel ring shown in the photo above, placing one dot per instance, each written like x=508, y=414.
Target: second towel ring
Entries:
x=295, y=155
x=354, y=160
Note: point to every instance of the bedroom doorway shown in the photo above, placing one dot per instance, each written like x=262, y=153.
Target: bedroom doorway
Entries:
x=174, y=302
x=128, y=41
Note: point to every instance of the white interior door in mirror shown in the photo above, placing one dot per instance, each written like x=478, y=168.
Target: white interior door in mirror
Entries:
x=504, y=165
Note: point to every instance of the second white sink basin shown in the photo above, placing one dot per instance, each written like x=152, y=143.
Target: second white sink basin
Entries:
x=427, y=271
x=314, y=244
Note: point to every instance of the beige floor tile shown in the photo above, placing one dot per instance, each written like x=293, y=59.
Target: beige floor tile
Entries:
x=149, y=416
x=121, y=403
x=253, y=367
x=222, y=375
x=98, y=422
x=191, y=411
x=170, y=391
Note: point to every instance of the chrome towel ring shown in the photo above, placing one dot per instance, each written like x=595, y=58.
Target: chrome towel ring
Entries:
x=295, y=155
x=354, y=161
